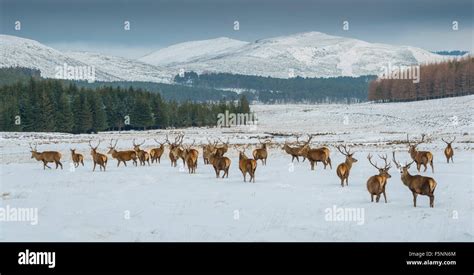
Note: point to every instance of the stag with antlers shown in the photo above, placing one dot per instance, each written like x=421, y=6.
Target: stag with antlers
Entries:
x=176, y=151
x=122, y=156
x=222, y=149
x=316, y=155
x=156, y=153
x=97, y=157
x=418, y=185
x=344, y=168
x=449, y=152
x=207, y=150
x=46, y=157
x=191, y=156
x=247, y=165
x=420, y=157
x=376, y=184
x=296, y=150
x=261, y=153
x=143, y=156
x=76, y=158
x=220, y=163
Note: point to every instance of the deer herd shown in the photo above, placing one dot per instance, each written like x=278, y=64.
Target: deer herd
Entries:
x=213, y=153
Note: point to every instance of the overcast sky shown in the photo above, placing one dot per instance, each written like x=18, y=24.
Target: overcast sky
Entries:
x=98, y=25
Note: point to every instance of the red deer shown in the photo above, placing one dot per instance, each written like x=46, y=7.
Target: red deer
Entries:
x=344, y=168
x=316, y=154
x=295, y=151
x=143, y=156
x=449, y=152
x=261, y=153
x=122, y=156
x=247, y=165
x=420, y=157
x=220, y=164
x=376, y=184
x=191, y=156
x=97, y=157
x=221, y=150
x=418, y=185
x=176, y=151
x=156, y=153
x=46, y=156
x=207, y=150
x=77, y=158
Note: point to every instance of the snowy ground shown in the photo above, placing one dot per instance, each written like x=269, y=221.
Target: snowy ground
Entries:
x=287, y=203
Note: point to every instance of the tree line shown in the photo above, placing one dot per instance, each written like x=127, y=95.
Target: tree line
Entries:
x=279, y=90
x=444, y=79
x=41, y=105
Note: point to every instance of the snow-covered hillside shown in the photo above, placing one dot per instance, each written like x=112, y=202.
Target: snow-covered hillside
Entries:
x=310, y=54
x=193, y=51
x=288, y=202
x=21, y=52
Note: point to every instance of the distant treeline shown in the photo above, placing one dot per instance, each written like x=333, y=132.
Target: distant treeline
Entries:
x=54, y=106
x=278, y=90
x=451, y=78
x=452, y=53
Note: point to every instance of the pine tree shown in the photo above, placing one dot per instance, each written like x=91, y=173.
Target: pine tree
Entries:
x=64, y=116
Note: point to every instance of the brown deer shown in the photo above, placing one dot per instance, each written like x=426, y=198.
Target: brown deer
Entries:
x=220, y=164
x=122, y=156
x=221, y=150
x=449, y=152
x=46, y=156
x=344, y=168
x=156, y=153
x=191, y=156
x=143, y=156
x=261, y=153
x=316, y=155
x=247, y=165
x=207, y=150
x=420, y=157
x=77, y=158
x=295, y=151
x=376, y=184
x=97, y=157
x=418, y=185
x=176, y=151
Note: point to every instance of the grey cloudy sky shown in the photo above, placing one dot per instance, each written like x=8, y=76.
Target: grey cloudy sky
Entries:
x=98, y=25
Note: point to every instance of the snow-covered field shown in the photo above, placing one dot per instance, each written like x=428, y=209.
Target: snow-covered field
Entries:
x=288, y=202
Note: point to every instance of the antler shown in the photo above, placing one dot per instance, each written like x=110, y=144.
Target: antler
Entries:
x=346, y=152
x=395, y=161
x=387, y=164
x=138, y=144
x=93, y=146
x=369, y=157
x=447, y=141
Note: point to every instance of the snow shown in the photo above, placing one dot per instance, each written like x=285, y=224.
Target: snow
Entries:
x=310, y=54
x=288, y=202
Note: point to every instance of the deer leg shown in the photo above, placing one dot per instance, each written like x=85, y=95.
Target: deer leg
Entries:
x=432, y=168
x=432, y=201
x=384, y=196
x=125, y=163
x=371, y=198
x=312, y=165
x=377, y=198
x=93, y=169
x=426, y=166
x=60, y=164
x=414, y=199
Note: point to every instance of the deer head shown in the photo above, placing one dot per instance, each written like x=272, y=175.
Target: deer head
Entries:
x=403, y=169
x=382, y=171
x=347, y=153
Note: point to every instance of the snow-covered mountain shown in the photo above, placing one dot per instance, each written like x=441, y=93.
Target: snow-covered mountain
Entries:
x=193, y=51
x=22, y=52
x=311, y=54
